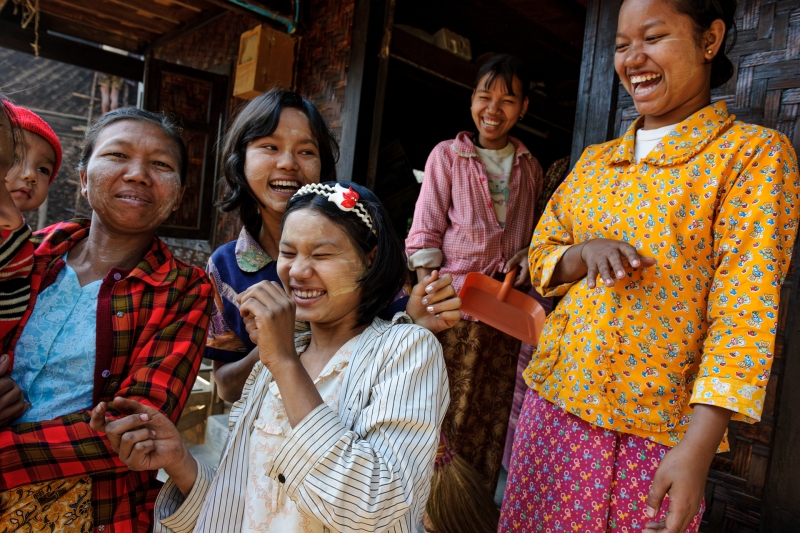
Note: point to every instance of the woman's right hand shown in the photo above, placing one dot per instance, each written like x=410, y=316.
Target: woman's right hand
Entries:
x=607, y=257
x=145, y=439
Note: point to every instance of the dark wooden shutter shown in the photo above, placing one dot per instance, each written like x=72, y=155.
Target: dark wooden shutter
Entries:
x=196, y=99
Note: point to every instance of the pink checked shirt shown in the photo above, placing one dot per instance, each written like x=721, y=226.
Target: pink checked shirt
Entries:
x=455, y=214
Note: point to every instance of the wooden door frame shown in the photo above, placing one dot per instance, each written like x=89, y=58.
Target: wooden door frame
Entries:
x=367, y=73
x=211, y=167
x=597, y=90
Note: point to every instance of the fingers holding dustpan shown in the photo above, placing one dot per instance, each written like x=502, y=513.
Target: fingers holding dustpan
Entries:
x=508, y=282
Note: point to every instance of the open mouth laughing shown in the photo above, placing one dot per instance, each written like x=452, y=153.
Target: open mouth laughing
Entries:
x=307, y=296
x=284, y=186
x=490, y=124
x=645, y=83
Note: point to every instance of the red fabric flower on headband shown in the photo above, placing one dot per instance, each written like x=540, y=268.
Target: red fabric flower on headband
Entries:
x=350, y=198
x=345, y=199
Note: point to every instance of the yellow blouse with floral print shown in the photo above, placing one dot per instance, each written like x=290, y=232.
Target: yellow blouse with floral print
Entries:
x=716, y=204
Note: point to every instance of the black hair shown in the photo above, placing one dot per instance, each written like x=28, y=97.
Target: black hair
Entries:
x=259, y=118
x=385, y=277
x=167, y=125
x=505, y=67
x=703, y=13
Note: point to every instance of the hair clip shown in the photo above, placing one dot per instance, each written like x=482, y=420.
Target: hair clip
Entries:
x=345, y=199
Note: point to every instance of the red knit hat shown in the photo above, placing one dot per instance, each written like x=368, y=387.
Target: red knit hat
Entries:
x=28, y=120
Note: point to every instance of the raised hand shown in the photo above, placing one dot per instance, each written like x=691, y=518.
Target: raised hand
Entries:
x=145, y=439
x=607, y=257
x=433, y=303
x=12, y=401
x=269, y=315
x=520, y=258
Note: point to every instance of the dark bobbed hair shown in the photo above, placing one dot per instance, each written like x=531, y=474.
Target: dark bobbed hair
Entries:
x=162, y=121
x=385, y=277
x=505, y=67
x=259, y=118
x=703, y=13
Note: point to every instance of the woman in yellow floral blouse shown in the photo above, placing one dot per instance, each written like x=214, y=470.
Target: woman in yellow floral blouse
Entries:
x=688, y=221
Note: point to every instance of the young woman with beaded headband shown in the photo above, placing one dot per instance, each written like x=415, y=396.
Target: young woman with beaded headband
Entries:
x=278, y=143
x=337, y=428
x=688, y=220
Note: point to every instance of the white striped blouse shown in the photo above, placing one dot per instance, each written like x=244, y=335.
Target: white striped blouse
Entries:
x=364, y=468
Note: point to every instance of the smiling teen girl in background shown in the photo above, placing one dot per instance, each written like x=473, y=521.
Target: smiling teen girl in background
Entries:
x=689, y=219
x=474, y=214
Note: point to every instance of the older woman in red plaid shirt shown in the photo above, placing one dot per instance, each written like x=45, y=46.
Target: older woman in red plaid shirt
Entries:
x=148, y=331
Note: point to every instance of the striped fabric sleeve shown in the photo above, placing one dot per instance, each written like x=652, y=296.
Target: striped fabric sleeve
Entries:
x=373, y=476
x=175, y=513
x=16, y=264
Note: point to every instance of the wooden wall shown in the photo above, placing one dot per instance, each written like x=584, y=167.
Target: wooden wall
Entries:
x=323, y=56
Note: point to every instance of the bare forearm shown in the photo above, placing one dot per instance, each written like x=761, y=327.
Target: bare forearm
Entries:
x=569, y=268
x=300, y=395
x=231, y=377
x=706, y=429
x=184, y=473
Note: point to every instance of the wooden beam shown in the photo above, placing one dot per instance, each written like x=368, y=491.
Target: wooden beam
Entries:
x=126, y=17
x=89, y=33
x=198, y=22
x=174, y=12
x=70, y=52
x=153, y=10
x=597, y=94
x=252, y=14
x=191, y=6
x=92, y=21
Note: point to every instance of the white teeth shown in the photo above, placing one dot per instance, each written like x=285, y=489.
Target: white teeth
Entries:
x=491, y=122
x=309, y=294
x=285, y=183
x=645, y=77
x=133, y=198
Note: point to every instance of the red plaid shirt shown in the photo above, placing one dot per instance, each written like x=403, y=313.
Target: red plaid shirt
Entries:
x=455, y=214
x=151, y=329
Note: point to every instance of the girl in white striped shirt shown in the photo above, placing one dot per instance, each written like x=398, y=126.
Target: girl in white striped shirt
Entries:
x=337, y=429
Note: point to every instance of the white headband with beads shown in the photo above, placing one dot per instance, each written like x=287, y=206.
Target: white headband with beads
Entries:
x=345, y=199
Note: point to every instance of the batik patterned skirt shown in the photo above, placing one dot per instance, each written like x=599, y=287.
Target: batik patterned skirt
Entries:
x=481, y=368
x=566, y=475
x=63, y=506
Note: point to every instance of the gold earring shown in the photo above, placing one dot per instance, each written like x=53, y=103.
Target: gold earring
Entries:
x=710, y=51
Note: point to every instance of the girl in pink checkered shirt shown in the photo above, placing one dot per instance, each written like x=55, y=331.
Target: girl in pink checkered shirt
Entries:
x=475, y=213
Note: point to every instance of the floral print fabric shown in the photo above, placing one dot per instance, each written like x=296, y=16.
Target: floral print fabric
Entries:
x=566, y=475
x=55, y=355
x=716, y=204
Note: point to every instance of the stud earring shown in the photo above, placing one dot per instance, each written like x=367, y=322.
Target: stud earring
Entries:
x=710, y=51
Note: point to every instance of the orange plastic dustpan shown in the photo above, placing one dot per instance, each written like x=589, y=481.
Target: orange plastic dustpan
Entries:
x=503, y=308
